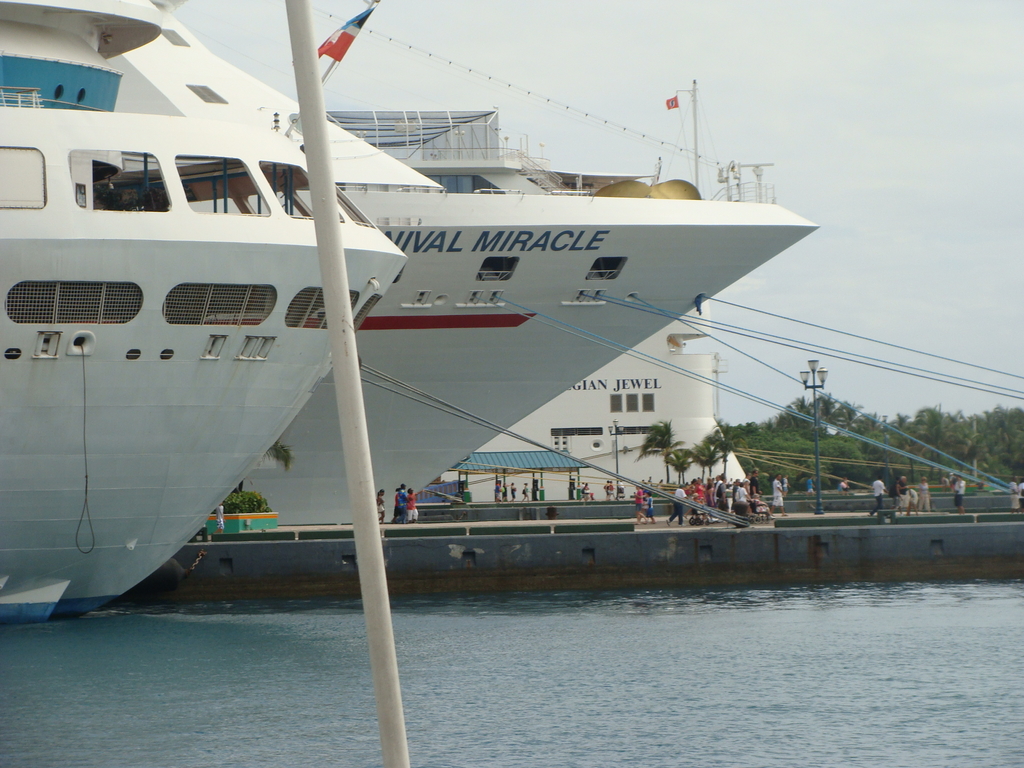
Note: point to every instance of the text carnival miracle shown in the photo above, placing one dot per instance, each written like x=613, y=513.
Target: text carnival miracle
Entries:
x=444, y=241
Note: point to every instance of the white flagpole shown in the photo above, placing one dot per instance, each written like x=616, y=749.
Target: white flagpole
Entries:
x=345, y=358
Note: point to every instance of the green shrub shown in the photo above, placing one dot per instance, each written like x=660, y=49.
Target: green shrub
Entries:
x=246, y=503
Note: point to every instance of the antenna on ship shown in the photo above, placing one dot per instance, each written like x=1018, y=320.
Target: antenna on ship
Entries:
x=673, y=103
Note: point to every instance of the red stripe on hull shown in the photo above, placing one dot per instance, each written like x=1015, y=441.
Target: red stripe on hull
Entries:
x=468, y=320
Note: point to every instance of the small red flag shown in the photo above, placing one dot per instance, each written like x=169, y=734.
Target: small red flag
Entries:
x=672, y=103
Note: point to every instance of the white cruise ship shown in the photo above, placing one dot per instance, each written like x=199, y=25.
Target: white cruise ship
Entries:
x=507, y=229
x=451, y=326
x=158, y=274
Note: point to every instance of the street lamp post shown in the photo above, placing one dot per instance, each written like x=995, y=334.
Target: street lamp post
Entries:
x=615, y=432
x=814, y=380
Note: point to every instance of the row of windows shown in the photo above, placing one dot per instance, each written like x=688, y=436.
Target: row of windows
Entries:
x=634, y=403
x=84, y=302
x=109, y=180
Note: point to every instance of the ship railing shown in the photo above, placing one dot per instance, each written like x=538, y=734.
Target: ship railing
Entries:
x=11, y=96
x=574, y=192
x=496, y=191
x=747, y=192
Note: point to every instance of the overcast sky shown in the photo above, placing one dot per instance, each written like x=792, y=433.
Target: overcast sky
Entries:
x=896, y=127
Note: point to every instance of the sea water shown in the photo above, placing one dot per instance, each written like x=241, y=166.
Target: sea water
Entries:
x=854, y=675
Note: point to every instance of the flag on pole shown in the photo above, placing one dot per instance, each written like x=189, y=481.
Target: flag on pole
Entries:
x=672, y=103
x=337, y=45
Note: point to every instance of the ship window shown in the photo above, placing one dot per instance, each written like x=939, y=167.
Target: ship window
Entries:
x=256, y=347
x=306, y=310
x=22, y=178
x=647, y=401
x=133, y=354
x=570, y=431
x=207, y=94
x=354, y=214
x=606, y=267
x=166, y=354
x=174, y=38
x=291, y=187
x=52, y=301
x=497, y=268
x=219, y=304
x=632, y=403
x=118, y=181
x=616, y=403
x=220, y=185
x=463, y=184
x=12, y=353
x=81, y=95
x=58, y=92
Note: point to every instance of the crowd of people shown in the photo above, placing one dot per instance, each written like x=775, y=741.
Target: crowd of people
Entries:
x=405, y=506
x=742, y=496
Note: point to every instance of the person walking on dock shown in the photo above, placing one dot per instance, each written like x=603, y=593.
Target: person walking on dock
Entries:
x=777, y=501
x=1014, y=495
x=497, y=490
x=959, y=486
x=901, y=495
x=638, y=499
x=677, y=506
x=924, y=496
x=401, y=498
x=380, y=506
x=878, y=488
x=220, y=517
x=411, y=513
x=513, y=491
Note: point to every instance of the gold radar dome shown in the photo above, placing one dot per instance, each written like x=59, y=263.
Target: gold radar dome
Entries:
x=624, y=189
x=675, y=189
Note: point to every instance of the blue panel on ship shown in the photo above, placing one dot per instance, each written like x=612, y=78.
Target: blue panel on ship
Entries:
x=62, y=84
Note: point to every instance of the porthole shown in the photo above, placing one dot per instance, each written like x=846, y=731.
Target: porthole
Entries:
x=597, y=445
x=167, y=354
x=133, y=354
x=12, y=353
x=58, y=92
x=81, y=95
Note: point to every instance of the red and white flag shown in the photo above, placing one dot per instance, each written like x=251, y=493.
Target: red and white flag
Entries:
x=337, y=45
x=672, y=103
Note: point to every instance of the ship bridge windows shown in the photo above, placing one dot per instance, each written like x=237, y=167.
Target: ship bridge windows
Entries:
x=606, y=267
x=307, y=310
x=22, y=178
x=118, y=181
x=497, y=268
x=220, y=185
x=462, y=184
x=53, y=301
x=219, y=304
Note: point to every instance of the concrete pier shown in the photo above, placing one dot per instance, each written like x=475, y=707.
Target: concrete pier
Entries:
x=603, y=554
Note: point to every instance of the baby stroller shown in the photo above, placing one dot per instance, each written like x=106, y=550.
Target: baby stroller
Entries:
x=698, y=517
x=760, y=512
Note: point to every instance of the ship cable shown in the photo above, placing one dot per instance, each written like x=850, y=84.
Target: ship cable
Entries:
x=86, y=515
x=425, y=398
x=839, y=354
x=538, y=316
x=865, y=338
x=966, y=468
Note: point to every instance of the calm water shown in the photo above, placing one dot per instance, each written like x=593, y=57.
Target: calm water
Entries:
x=855, y=675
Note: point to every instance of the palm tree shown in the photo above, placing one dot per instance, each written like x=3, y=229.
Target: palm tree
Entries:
x=680, y=460
x=281, y=453
x=727, y=439
x=706, y=454
x=660, y=441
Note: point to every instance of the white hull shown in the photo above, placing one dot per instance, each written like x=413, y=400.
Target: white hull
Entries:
x=675, y=249
x=164, y=439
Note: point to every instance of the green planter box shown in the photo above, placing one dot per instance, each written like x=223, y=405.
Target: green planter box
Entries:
x=243, y=523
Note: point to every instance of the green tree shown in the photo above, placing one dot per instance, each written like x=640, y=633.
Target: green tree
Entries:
x=706, y=454
x=728, y=440
x=681, y=459
x=282, y=454
x=660, y=441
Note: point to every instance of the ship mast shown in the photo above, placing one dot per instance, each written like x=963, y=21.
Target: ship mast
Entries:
x=345, y=359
